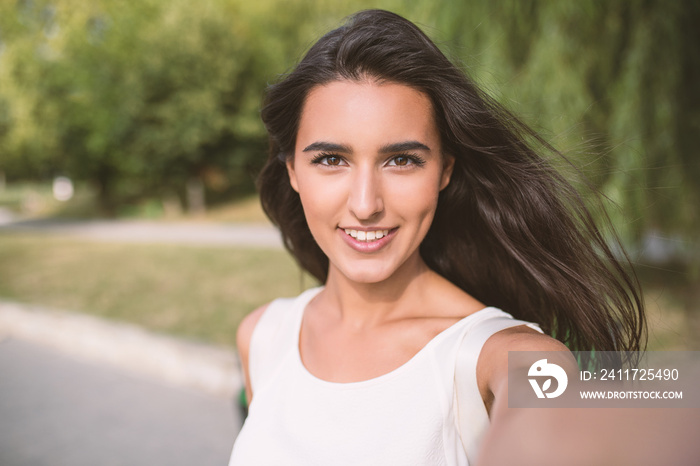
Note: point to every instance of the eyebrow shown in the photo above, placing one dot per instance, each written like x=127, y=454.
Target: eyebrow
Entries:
x=386, y=149
x=403, y=147
x=326, y=147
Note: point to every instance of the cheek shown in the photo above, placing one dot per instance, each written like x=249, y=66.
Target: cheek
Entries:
x=416, y=199
x=318, y=201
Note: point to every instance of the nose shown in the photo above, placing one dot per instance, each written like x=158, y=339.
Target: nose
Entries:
x=365, y=199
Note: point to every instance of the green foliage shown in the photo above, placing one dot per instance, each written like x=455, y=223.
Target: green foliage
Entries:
x=613, y=84
x=137, y=100
x=140, y=97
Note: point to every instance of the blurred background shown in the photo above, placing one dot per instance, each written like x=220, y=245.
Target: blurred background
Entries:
x=148, y=111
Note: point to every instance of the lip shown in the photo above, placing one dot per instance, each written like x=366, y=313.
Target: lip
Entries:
x=367, y=246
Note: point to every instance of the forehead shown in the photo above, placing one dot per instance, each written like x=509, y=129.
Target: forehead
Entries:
x=368, y=111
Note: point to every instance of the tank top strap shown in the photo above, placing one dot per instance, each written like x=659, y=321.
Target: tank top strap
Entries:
x=275, y=336
x=472, y=417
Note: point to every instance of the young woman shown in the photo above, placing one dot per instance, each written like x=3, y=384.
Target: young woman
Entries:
x=426, y=210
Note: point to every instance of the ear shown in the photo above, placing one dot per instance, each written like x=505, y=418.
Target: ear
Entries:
x=292, y=174
x=448, y=165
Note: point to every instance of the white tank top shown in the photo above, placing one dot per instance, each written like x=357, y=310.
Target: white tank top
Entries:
x=408, y=416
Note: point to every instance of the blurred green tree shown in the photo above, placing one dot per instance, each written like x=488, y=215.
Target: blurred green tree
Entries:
x=614, y=84
x=137, y=100
x=142, y=98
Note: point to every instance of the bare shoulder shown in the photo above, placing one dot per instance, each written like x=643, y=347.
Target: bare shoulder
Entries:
x=521, y=338
x=492, y=365
x=246, y=327
x=243, y=337
x=494, y=355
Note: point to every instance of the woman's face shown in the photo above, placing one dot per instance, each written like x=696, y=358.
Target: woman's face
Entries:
x=368, y=168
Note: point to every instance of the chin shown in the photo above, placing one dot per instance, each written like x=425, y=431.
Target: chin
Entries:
x=368, y=279
x=366, y=274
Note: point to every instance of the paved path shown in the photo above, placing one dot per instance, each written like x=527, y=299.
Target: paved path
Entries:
x=125, y=346
x=61, y=410
x=209, y=234
x=76, y=390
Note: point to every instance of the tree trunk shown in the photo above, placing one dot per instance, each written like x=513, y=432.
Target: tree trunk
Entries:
x=195, y=197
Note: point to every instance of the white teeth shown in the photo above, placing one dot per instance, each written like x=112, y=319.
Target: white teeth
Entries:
x=361, y=235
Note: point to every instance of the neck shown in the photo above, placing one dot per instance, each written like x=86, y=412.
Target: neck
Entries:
x=370, y=304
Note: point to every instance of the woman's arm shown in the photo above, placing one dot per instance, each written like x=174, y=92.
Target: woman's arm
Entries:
x=492, y=365
x=575, y=436
x=515, y=435
x=243, y=336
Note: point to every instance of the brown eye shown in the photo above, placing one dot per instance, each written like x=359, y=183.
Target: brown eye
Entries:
x=401, y=160
x=406, y=161
x=328, y=160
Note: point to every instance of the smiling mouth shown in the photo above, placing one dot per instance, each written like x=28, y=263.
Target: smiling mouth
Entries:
x=367, y=236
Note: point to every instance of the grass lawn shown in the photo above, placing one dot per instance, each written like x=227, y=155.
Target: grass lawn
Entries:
x=203, y=292
x=196, y=292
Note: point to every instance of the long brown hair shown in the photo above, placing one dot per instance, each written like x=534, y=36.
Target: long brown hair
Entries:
x=508, y=229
